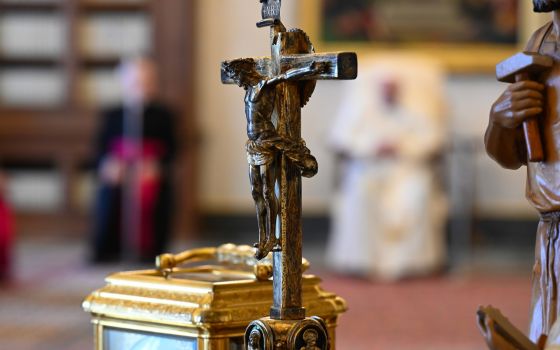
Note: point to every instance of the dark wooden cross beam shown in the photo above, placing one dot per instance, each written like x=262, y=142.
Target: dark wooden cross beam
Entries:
x=292, y=49
x=342, y=66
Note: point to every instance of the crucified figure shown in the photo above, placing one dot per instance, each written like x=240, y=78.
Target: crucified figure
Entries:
x=265, y=145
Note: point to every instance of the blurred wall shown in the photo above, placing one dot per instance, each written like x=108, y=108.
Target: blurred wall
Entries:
x=226, y=29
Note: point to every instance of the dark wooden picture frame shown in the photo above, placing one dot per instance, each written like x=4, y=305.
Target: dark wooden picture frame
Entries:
x=468, y=48
x=427, y=21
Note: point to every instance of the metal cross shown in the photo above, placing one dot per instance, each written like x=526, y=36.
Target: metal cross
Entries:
x=291, y=71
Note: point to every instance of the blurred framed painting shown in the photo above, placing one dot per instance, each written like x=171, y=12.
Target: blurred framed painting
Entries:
x=467, y=35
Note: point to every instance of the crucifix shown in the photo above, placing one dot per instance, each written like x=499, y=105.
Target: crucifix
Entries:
x=276, y=89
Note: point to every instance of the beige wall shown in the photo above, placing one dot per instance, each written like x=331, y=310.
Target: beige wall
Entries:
x=226, y=29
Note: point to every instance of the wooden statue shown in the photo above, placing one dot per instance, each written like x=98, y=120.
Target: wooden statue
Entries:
x=276, y=90
x=524, y=130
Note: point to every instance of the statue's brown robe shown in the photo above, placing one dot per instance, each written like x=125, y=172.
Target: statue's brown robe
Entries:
x=507, y=147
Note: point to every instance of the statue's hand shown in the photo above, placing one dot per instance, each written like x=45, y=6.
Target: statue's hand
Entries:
x=520, y=101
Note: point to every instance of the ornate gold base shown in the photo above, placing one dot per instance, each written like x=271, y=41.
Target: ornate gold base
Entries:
x=269, y=334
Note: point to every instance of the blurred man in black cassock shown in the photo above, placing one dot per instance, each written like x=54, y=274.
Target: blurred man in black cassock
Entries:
x=6, y=232
x=134, y=152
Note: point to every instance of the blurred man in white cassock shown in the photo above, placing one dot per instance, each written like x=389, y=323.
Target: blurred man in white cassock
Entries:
x=389, y=215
